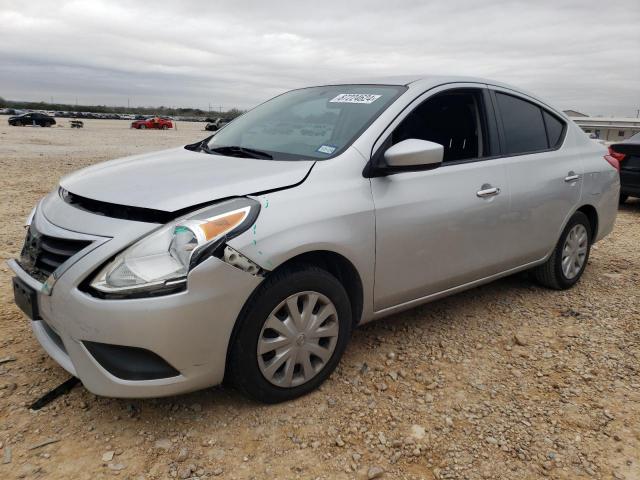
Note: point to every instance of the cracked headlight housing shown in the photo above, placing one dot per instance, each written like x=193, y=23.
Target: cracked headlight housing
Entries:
x=159, y=263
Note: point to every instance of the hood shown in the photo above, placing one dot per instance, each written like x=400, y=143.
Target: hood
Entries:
x=174, y=179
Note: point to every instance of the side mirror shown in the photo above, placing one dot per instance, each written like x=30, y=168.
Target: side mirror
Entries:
x=413, y=154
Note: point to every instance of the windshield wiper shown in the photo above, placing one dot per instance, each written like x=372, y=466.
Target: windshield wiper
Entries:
x=237, y=151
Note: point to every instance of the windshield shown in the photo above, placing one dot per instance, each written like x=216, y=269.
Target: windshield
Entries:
x=310, y=123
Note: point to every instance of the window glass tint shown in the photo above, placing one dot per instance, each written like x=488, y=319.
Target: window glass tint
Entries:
x=451, y=119
x=522, y=123
x=310, y=123
x=554, y=128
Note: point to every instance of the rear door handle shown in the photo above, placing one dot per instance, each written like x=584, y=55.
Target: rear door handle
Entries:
x=571, y=177
x=488, y=191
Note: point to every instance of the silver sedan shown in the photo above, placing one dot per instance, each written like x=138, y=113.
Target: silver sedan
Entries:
x=251, y=255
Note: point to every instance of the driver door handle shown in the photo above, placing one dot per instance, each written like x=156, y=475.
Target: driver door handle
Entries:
x=487, y=191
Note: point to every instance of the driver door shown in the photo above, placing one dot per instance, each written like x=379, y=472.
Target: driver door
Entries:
x=441, y=228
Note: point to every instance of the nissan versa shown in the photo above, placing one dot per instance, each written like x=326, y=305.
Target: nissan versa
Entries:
x=251, y=256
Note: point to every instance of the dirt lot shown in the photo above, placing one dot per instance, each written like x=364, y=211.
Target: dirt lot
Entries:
x=505, y=381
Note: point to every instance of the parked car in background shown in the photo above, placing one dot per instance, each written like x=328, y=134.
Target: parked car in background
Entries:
x=33, y=118
x=627, y=154
x=216, y=125
x=153, y=122
x=251, y=255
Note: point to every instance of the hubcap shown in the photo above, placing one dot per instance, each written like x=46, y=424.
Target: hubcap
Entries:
x=298, y=339
x=574, y=251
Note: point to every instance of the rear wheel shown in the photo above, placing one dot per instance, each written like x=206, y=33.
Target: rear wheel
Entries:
x=142, y=127
x=164, y=127
x=291, y=335
x=567, y=262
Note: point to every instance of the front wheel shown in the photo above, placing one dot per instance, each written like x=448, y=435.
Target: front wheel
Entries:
x=291, y=335
x=567, y=262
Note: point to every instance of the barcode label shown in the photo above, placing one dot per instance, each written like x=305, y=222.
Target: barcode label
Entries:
x=355, y=98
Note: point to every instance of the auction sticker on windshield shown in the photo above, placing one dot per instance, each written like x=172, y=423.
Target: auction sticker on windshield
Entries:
x=355, y=98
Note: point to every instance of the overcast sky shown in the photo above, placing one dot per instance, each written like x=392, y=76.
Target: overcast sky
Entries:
x=578, y=54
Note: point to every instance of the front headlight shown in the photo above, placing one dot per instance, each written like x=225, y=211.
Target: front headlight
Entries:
x=162, y=259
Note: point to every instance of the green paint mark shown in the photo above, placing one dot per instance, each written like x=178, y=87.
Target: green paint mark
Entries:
x=259, y=252
x=255, y=243
x=270, y=263
x=267, y=204
x=180, y=229
x=254, y=229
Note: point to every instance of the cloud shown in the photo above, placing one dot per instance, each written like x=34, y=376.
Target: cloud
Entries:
x=577, y=54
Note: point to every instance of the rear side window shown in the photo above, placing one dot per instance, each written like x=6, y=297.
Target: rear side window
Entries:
x=555, y=128
x=522, y=124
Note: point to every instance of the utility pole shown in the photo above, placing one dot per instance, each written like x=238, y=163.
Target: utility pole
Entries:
x=127, y=103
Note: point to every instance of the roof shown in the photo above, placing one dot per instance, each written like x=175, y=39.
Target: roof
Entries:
x=425, y=82
x=407, y=80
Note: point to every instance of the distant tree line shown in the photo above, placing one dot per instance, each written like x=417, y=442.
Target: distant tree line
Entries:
x=161, y=110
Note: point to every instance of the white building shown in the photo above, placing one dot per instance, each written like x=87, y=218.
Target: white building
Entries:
x=609, y=129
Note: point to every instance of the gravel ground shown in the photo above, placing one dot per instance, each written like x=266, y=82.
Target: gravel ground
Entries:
x=507, y=381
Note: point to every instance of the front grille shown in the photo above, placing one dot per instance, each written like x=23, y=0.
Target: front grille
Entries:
x=42, y=254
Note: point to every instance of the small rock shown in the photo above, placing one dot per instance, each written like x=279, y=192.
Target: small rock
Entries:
x=521, y=339
x=417, y=432
x=196, y=407
x=218, y=471
x=163, y=444
x=7, y=455
x=108, y=456
x=185, y=472
x=183, y=454
x=116, y=466
x=339, y=441
x=374, y=472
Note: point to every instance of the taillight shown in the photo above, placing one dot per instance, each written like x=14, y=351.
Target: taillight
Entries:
x=614, y=158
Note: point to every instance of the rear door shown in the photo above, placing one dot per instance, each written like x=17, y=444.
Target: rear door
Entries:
x=445, y=227
x=545, y=178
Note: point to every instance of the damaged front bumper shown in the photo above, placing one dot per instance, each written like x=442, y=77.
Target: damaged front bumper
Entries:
x=142, y=347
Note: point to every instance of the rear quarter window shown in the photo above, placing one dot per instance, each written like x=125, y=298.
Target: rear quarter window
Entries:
x=555, y=129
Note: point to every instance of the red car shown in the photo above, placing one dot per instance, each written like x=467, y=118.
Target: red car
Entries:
x=155, y=122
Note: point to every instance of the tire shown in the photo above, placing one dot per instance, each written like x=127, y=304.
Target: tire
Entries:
x=246, y=366
x=164, y=127
x=623, y=198
x=142, y=127
x=551, y=274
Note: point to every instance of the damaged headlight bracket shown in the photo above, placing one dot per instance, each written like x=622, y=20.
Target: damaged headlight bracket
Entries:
x=158, y=264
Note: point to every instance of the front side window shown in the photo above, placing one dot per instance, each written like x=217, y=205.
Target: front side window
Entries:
x=311, y=123
x=454, y=119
